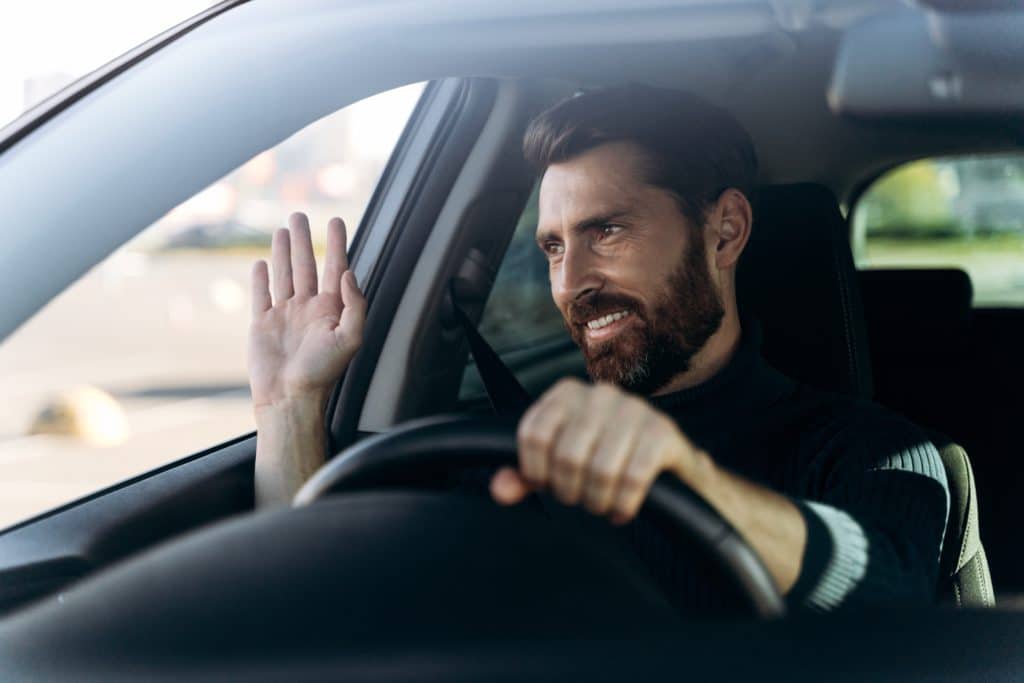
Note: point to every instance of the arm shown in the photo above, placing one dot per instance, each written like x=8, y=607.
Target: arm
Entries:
x=299, y=345
x=873, y=536
x=876, y=523
x=290, y=447
x=769, y=521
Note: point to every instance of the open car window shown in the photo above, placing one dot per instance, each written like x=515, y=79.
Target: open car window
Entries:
x=143, y=360
x=962, y=212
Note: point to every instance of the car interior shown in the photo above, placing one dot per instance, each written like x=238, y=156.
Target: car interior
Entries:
x=177, y=544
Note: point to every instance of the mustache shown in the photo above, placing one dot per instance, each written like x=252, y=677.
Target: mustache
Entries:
x=596, y=305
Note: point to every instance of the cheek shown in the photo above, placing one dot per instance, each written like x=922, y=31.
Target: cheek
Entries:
x=633, y=277
x=553, y=288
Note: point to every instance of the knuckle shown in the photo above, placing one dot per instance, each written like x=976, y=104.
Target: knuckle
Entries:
x=563, y=496
x=568, y=461
x=633, y=482
x=571, y=495
x=525, y=428
x=635, y=406
x=620, y=509
x=567, y=386
x=595, y=504
x=532, y=439
x=573, y=453
x=604, y=392
x=602, y=475
x=665, y=424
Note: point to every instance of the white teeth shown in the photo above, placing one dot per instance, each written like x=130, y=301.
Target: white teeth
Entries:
x=603, y=321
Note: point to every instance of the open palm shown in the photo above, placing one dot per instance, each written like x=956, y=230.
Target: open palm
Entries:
x=301, y=341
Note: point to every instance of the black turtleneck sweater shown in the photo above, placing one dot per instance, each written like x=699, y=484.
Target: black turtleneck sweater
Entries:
x=870, y=485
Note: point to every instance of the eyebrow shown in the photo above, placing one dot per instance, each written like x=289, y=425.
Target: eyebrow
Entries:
x=587, y=223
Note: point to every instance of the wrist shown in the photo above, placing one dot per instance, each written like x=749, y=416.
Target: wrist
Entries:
x=290, y=446
x=310, y=403
x=696, y=469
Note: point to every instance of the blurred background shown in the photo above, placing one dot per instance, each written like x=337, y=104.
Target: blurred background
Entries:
x=965, y=212
x=142, y=361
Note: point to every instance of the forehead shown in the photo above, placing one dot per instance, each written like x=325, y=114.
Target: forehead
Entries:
x=607, y=178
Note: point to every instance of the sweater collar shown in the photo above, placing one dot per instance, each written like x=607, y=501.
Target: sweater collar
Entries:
x=747, y=380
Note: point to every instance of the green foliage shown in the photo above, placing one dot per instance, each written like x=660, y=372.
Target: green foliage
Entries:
x=912, y=200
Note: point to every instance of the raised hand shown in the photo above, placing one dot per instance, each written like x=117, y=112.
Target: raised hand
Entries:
x=301, y=341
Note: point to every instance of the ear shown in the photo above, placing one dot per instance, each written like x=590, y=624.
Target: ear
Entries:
x=731, y=222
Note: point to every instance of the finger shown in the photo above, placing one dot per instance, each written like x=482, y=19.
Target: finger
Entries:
x=537, y=432
x=508, y=487
x=281, y=258
x=303, y=261
x=610, y=456
x=261, y=302
x=353, y=315
x=336, y=262
x=578, y=440
x=645, y=463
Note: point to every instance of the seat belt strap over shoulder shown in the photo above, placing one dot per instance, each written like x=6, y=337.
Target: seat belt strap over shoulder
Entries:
x=507, y=395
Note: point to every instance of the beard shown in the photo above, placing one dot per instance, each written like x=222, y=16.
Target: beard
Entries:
x=681, y=318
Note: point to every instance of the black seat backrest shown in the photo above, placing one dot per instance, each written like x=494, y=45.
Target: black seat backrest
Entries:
x=918, y=323
x=797, y=277
x=933, y=303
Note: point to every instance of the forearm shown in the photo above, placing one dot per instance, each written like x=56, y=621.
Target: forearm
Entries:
x=839, y=555
x=770, y=522
x=290, y=447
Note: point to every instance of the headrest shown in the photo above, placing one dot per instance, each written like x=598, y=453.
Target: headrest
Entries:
x=798, y=279
x=917, y=312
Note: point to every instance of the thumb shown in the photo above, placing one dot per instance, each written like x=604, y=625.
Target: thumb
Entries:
x=508, y=487
x=353, y=315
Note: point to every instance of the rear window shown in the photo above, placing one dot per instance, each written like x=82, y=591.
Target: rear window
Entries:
x=963, y=212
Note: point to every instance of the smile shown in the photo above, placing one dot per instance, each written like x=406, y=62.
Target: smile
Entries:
x=605, y=321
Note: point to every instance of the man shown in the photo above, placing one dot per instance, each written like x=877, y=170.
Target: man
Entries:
x=644, y=213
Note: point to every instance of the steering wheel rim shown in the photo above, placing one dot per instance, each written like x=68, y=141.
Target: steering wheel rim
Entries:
x=461, y=442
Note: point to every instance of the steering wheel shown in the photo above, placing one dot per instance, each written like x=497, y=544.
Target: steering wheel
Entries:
x=455, y=443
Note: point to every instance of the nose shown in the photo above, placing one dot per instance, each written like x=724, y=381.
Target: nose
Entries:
x=577, y=276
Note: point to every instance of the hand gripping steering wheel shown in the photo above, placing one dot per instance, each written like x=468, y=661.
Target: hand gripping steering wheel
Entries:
x=454, y=443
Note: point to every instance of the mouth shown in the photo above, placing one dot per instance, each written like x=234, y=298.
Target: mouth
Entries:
x=607, y=326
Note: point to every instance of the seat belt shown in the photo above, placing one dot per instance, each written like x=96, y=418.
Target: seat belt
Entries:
x=506, y=394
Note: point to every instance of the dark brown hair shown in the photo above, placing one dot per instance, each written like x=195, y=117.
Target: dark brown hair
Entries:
x=694, y=149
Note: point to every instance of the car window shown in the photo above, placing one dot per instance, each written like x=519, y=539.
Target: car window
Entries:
x=519, y=312
x=519, y=319
x=965, y=212
x=143, y=360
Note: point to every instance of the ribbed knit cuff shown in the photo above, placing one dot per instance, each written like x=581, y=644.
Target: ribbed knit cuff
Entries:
x=835, y=559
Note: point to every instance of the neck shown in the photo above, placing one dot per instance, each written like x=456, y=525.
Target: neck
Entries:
x=710, y=360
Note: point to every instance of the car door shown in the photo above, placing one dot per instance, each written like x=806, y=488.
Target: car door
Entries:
x=214, y=479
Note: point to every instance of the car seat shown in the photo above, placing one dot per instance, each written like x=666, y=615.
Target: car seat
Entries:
x=798, y=278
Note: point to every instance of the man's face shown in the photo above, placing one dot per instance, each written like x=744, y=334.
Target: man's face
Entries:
x=628, y=271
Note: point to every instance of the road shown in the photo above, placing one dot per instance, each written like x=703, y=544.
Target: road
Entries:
x=164, y=335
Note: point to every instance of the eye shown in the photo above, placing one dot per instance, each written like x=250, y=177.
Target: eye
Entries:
x=609, y=230
x=553, y=248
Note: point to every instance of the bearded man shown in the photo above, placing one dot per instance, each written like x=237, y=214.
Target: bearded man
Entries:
x=644, y=212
